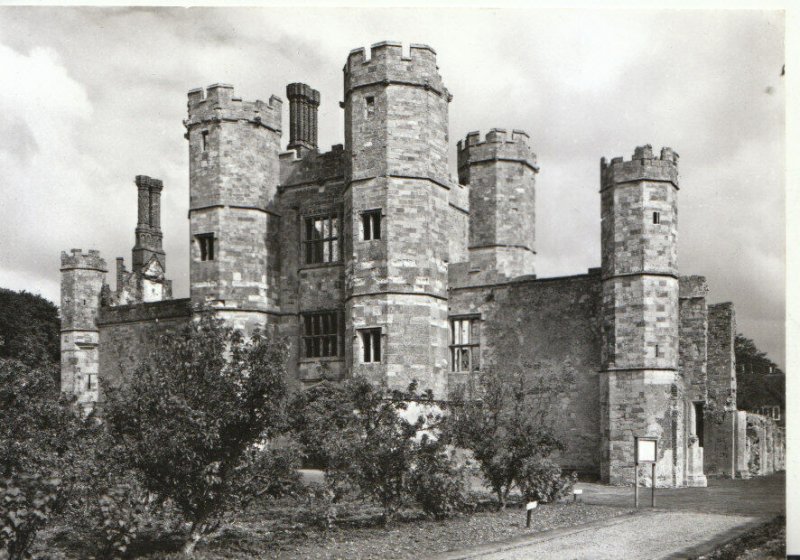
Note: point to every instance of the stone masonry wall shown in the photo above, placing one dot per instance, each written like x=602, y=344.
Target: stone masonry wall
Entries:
x=721, y=355
x=548, y=329
x=128, y=334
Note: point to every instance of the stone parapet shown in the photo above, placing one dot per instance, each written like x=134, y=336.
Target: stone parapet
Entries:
x=217, y=103
x=498, y=145
x=77, y=259
x=388, y=65
x=312, y=167
x=644, y=166
x=145, y=312
x=692, y=287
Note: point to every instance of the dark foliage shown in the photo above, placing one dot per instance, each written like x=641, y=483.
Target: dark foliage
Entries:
x=760, y=382
x=29, y=328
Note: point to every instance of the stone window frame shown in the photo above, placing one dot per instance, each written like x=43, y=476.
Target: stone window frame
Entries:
x=370, y=223
x=207, y=245
x=326, y=249
x=459, y=349
x=371, y=339
x=369, y=106
x=322, y=330
x=656, y=217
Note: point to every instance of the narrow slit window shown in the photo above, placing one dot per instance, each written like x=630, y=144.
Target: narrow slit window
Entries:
x=371, y=344
x=204, y=136
x=656, y=217
x=371, y=222
x=206, y=243
x=370, y=105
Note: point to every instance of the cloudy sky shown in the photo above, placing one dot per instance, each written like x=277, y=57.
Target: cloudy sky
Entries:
x=91, y=97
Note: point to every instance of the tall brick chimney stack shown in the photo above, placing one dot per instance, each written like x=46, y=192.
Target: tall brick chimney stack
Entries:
x=303, y=103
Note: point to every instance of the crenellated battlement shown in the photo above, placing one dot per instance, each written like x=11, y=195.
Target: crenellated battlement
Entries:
x=643, y=166
x=387, y=64
x=217, y=103
x=497, y=145
x=77, y=259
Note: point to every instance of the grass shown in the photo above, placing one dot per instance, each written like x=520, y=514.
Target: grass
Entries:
x=765, y=542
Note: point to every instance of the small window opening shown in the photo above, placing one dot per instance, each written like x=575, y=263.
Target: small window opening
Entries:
x=321, y=334
x=370, y=105
x=206, y=242
x=371, y=222
x=658, y=351
x=371, y=342
x=465, y=344
x=204, y=136
x=91, y=382
x=656, y=217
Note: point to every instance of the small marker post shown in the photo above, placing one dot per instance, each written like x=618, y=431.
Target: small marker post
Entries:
x=528, y=512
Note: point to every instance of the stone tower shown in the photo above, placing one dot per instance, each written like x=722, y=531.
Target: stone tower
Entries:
x=501, y=174
x=233, y=180
x=397, y=185
x=82, y=279
x=640, y=391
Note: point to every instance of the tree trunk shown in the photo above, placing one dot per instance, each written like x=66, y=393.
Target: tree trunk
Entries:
x=188, y=548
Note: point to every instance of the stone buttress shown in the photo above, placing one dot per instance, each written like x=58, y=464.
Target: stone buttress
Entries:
x=640, y=392
x=501, y=174
x=82, y=280
x=233, y=178
x=396, y=119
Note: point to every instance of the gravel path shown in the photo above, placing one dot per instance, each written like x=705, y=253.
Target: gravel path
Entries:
x=653, y=535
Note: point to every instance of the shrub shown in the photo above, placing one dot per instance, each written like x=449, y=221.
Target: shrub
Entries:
x=541, y=480
x=27, y=502
x=437, y=483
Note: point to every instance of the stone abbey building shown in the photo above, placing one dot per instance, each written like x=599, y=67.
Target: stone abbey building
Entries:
x=374, y=261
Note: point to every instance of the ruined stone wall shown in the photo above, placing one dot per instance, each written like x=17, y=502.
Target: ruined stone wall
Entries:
x=548, y=329
x=128, y=334
x=721, y=355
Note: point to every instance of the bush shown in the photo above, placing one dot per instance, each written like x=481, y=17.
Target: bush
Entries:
x=541, y=480
x=26, y=503
x=437, y=483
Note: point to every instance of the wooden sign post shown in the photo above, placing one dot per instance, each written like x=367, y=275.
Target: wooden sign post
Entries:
x=645, y=452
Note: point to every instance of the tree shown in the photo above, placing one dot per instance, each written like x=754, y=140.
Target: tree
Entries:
x=29, y=329
x=371, y=440
x=760, y=382
x=42, y=453
x=190, y=419
x=502, y=420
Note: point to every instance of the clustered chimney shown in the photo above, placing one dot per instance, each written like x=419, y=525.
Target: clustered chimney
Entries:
x=148, y=224
x=303, y=103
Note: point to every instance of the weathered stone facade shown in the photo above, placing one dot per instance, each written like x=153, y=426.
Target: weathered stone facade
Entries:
x=372, y=260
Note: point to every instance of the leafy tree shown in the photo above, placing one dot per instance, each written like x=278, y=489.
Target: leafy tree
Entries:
x=42, y=453
x=189, y=419
x=502, y=419
x=369, y=440
x=29, y=328
x=759, y=380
